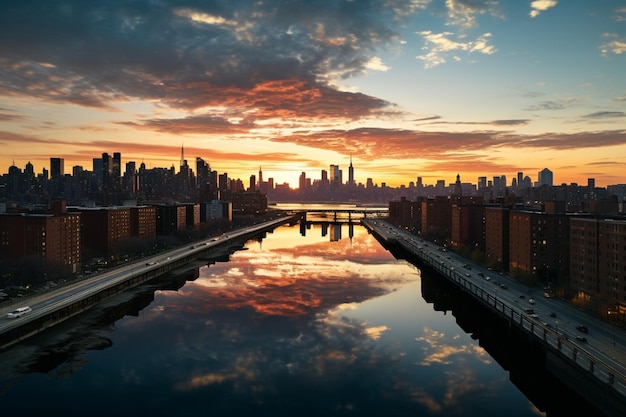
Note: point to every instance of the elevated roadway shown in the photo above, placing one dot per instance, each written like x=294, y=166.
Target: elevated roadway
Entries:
x=53, y=307
x=587, y=353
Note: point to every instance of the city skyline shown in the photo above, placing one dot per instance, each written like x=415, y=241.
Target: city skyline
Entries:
x=403, y=89
x=115, y=164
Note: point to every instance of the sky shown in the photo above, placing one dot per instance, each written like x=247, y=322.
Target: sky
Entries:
x=403, y=88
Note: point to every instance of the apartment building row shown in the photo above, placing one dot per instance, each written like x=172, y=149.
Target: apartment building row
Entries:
x=580, y=254
x=59, y=235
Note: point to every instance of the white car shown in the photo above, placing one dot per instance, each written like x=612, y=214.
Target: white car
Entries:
x=18, y=312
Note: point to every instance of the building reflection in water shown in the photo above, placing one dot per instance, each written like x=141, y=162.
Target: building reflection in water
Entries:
x=297, y=324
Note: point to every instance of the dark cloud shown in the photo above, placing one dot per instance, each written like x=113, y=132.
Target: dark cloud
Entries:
x=563, y=141
x=511, y=122
x=374, y=143
x=605, y=115
x=193, y=125
x=547, y=105
x=191, y=54
x=7, y=115
x=504, y=122
x=426, y=119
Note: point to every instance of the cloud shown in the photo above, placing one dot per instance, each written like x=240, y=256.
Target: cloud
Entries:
x=439, y=46
x=539, y=6
x=196, y=54
x=463, y=12
x=7, y=115
x=581, y=140
x=620, y=14
x=615, y=44
x=511, y=122
x=559, y=104
x=427, y=118
x=504, y=122
x=605, y=115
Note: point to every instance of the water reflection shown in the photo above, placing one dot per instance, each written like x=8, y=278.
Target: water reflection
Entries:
x=293, y=325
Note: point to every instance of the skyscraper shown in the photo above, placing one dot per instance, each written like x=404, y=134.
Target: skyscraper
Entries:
x=335, y=175
x=545, y=177
x=350, y=173
x=57, y=168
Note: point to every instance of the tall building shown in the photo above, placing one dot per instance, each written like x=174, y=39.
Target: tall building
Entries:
x=116, y=169
x=302, y=181
x=350, y=173
x=335, y=175
x=252, y=186
x=324, y=177
x=202, y=172
x=130, y=183
x=545, y=178
x=106, y=170
x=458, y=189
x=96, y=169
x=57, y=168
x=29, y=170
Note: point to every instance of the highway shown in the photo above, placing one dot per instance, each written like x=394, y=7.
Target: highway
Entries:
x=553, y=320
x=48, y=302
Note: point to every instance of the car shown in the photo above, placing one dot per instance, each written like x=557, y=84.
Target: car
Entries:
x=503, y=286
x=581, y=339
x=19, y=312
x=531, y=301
x=529, y=311
x=552, y=314
x=522, y=296
x=582, y=328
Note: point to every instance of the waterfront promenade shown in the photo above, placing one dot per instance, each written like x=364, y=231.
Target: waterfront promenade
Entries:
x=584, y=351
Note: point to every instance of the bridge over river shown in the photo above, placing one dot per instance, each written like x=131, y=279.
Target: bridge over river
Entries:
x=334, y=213
x=582, y=350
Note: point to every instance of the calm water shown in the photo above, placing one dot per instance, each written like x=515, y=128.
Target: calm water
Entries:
x=324, y=324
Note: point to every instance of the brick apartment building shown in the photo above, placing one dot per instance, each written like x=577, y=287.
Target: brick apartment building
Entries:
x=539, y=244
x=406, y=214
x=598, y=261
x=467, y=227
x=497, y=237
x=143, y=221
x=436, y=217
x=103, y=227
x=54, y=237
x=170, y=218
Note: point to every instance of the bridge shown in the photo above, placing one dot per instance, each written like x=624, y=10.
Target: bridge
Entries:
x=337, y=214
x=592, y=364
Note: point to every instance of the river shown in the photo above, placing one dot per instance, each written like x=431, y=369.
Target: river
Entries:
x=308, y=321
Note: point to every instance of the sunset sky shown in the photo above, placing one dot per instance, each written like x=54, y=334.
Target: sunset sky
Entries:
x=407, y=88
